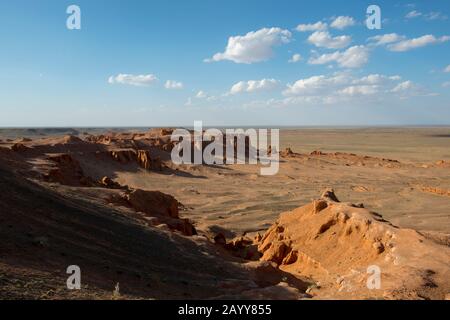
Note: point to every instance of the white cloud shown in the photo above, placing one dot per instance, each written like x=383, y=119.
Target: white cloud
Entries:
x=447, y=68
x=446, y=84
x=172, y=84
x=316, y=84
x=359, y=90
x=404, y=86
x=413, y=14
x=343, y=22
x=200, y=98
x=343, y=88
x=373, y=79
x=408, y=89
x=325, y=40
x=395, y=78
x=342, y=85
x=201, y=95
x=318, y=26
x=409, y=44
x=353, y=57
x=255, y=46
x=386, y=39
x=435, y=16
x=133, y=80
x=295, y=58
x=254, y=86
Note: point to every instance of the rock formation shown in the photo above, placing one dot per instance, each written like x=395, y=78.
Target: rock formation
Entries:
x=67, y=171
x=161, y=206
x=336, y=243
x=141, y=157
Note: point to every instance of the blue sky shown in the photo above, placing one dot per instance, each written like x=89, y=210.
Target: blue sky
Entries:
x=228, y=62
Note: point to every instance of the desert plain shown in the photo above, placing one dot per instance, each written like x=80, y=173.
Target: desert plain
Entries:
x=110, y=201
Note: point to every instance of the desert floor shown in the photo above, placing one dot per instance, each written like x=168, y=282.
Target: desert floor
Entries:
x=55, y=211
x=238, y=199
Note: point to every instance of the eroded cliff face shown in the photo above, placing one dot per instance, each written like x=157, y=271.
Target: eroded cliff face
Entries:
x=142, y=157
x=339, y=245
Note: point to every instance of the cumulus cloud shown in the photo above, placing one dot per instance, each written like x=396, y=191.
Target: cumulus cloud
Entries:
x=316, y=84
x=295, y=58
x=318, y=26
x=325, y=40
x=343, y=22
x=447, y=68
x=359, y=90
x=409, y=44
x=342, y=84
x=413, y=14
x=386, y=39
x=255, y=46
x=172, y=84
x=353, y=57
x=254, y=86
x=143, y=80
x=340, y=87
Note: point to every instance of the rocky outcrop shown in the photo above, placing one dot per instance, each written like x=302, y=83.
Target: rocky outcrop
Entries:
x=67, y=171
x=142, y=157
x=123, y=156
x=100, y=139
x=242, y=247
x=166, y=132
x=161, y=208
x=153, y=203
x=287, y=153
x=336, y=243
x=70, y=139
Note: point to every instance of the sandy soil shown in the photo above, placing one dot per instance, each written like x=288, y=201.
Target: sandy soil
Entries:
x=239, y=199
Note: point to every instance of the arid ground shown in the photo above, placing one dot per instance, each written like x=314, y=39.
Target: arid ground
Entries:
x=111, y=201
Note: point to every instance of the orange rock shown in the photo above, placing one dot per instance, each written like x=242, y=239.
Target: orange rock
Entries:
x=160, y=205
x=317, y=153
x=328, y=240
x=144, y=160
x=153, y=202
